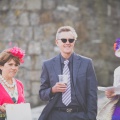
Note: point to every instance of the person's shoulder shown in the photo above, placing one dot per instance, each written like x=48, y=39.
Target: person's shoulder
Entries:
x=83, y=57
x=51, y=59
x=19, y=82
x=117, y=69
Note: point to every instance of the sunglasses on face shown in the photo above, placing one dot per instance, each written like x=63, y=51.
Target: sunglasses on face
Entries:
x=65, y=40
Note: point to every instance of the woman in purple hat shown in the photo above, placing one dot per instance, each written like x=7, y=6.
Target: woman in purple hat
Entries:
x=111, y=110
x=111, y=94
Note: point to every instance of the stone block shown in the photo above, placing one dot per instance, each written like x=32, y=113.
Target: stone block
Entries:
x=22, y=71
x=49, y=43
x=34, y=18
x=38, y=33
x=28, y=62
x=1, y=34
x=49, y=4
x=26, y=93
x=102, y=72
x=23, y=19
x=27, y=86
x=23, y=33
x=27, y=33
x=8, y=34
x=33, y=4
x=38, y=62
x=35, y=88
x=49, y=30
x=32, y=75
x=46, y=17
x=34, y=100
x=17, y=4
x=34, y=48
x=17, y=33
x=45, y=33
x=3, y=45
x=4, y=5
x=11, y=18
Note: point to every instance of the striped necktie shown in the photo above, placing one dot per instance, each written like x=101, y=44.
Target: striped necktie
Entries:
x=66, y=96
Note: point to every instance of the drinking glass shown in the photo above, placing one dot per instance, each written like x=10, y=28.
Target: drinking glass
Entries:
x=63, y=78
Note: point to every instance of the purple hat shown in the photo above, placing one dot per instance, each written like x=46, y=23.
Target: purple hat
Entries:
x=117, y=47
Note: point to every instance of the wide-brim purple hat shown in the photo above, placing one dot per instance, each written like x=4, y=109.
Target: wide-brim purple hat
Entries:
x=117, y=47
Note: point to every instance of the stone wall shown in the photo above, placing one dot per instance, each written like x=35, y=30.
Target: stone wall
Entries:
x=32, y=25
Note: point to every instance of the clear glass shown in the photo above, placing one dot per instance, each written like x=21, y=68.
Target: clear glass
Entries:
x=63, y=78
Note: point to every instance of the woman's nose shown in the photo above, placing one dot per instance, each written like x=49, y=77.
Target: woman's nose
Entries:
x=14, y=67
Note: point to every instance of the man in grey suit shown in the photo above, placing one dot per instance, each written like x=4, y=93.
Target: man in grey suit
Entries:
x=80, y=95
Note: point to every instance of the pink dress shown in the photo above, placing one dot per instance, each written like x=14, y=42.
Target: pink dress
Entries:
x=5, y=97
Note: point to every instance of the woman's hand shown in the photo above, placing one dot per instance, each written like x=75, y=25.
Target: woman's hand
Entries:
x=110, y=94
x=59, y=87
x=3, y=108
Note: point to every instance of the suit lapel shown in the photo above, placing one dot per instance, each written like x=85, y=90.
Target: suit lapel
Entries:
x=76, y=65
x=57, y=66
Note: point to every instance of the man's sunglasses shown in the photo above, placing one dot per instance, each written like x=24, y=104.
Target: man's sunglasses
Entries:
x=65, y=40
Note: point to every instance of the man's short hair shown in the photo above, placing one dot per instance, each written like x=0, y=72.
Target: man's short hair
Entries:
x=66, y=29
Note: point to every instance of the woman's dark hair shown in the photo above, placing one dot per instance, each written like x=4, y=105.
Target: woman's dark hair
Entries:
x=6, y=56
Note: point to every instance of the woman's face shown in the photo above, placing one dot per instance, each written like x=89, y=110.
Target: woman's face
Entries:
x=9, y=69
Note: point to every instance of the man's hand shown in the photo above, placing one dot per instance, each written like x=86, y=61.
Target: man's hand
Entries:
x=59, y=87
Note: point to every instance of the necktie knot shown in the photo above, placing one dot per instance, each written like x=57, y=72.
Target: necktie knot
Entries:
x=66, y=62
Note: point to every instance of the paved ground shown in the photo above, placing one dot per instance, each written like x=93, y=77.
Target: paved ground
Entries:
x=37, y=111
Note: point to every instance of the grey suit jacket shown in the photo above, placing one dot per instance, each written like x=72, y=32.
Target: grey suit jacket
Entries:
x=85, y=85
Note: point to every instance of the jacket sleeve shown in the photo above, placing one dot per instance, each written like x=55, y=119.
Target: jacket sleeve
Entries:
x=91, y=92
x=45, y=88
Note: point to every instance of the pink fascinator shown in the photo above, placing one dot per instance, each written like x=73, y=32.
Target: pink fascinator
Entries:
x=17, y=52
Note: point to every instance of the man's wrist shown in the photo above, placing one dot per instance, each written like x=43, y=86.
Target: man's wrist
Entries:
x=51, y=93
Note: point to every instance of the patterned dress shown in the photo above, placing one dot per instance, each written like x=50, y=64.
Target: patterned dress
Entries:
x=116, y=113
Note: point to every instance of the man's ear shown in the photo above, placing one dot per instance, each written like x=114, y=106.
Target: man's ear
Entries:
x=56, y=41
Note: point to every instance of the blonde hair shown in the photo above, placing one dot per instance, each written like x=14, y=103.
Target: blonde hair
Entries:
x=66, y=29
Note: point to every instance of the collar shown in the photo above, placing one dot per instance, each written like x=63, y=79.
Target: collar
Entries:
x=63, y=59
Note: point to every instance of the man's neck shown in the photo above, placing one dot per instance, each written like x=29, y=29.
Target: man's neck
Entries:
x=66, y=56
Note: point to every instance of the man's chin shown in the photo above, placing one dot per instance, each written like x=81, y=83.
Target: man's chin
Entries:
x=68, y=52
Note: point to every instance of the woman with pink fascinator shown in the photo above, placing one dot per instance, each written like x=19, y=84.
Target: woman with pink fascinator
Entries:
x=111, y=110
x=11, y=89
